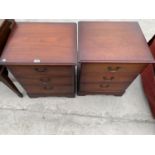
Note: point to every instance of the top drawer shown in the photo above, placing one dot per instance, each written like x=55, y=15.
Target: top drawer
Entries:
x=38, y=70
x=111, y=67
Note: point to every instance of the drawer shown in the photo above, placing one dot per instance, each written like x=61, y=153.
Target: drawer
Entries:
x=116, y=93
x=111, y=67
x=47, y=80
x=49, y=89
x=103, y=87
x=107, y=77
x=35, y=71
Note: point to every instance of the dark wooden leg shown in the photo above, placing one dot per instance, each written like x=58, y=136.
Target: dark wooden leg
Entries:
x=6, y=80
x=81, y=93
x=119, y=94
x=71, y=96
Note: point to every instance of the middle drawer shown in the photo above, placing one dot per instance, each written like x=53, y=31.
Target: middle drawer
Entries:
x=47, y=80
x=107, y=77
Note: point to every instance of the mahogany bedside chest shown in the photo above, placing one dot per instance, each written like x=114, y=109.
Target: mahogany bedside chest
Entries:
x=42, y=57
x=110, y=55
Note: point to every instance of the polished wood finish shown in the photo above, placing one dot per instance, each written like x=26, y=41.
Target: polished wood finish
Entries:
x=50, y=43
x=47, y=79
x=148, y=79
x=50, y=89
x=104, y=86
x=42, y=70
x=111, y=55
x=107, y=77
x=42, y=57
x=5, y=29
x=112, y=42
x=111, y=68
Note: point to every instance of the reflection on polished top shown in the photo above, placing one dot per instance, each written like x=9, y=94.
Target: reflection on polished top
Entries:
x=113, y=42
x=41, y=43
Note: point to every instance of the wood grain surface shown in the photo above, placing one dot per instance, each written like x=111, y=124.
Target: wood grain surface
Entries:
x=46, y=43
x=113, y=42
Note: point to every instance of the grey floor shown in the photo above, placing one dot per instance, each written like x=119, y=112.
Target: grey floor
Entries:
x=129, y=114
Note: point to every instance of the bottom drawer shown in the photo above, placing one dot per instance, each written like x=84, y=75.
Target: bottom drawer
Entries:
x=49, y=89
x=103, y=87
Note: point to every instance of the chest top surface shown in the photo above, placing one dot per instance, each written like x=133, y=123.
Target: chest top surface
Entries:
x=49, y=43
x=112, y=42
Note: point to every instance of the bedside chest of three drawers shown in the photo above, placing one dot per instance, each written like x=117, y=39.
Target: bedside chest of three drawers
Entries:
x=42, y=57
x=111, y=56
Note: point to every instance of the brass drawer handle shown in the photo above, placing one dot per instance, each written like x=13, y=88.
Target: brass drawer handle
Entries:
x=104, y=86
x=44, y=83
x=113, y=69
x=41, y=69
x=108, y=79
x=46, y=87
x=45, y=79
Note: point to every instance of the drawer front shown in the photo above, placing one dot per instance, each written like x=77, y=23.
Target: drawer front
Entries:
x=47, y=80
x=49, y=89
x=35, y=71
x=103, y=87
x=107, y=77
x=113, y=68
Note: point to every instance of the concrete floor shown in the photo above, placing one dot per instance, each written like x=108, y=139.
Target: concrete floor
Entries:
x=129, y=114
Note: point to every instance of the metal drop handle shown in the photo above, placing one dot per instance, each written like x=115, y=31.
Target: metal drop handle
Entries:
x=104, y=86
x=41, y=69
x=113, y=69
x=108, y=79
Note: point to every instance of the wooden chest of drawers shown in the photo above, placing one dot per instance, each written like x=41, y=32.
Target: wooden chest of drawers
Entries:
x=42, y=57
x=111, y=56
